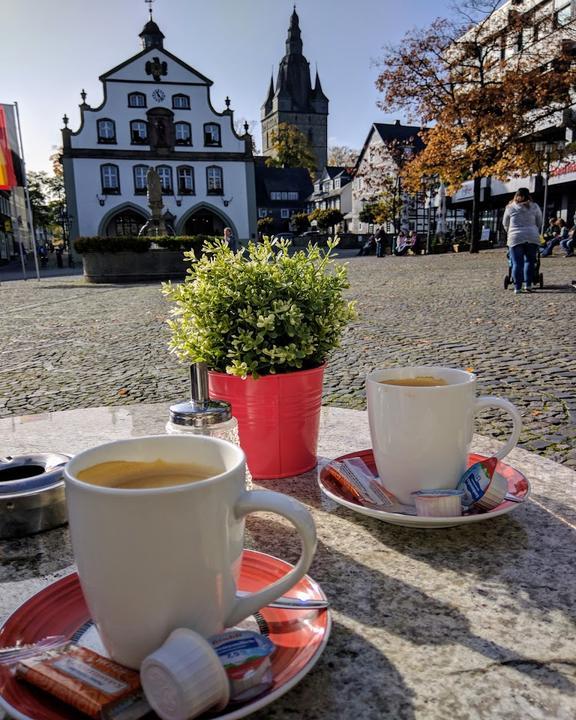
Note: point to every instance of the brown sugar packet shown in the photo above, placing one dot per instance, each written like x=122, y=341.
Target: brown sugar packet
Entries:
x=96, y=686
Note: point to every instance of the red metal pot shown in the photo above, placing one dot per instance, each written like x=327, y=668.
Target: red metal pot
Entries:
x=278, y=419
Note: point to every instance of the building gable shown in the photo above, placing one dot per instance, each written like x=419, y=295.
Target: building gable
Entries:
x=137, y=68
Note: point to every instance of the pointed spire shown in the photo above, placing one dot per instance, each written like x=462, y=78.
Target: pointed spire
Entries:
x=270, y=95
x=294, y=40
x=317, y=85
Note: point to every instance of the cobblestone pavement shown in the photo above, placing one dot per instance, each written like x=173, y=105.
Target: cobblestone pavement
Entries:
x=65, y=344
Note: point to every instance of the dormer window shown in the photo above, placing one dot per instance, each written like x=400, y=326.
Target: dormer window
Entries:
x=183, y=133
x=136, y=99
x=180, y=102
x=212, y=135
x=138, y=132
x=106, y=131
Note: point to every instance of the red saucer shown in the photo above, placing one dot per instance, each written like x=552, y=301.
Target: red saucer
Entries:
x=59, y=609
x=518, y=486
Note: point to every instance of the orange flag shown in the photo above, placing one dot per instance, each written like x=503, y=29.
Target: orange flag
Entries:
x=7, y=176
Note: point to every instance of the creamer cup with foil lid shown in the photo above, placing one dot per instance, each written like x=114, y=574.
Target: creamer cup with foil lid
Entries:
x=483, y=488
x=438, y=503
x=245, y=656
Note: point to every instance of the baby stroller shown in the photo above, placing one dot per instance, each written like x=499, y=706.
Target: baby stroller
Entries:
x=537, y=278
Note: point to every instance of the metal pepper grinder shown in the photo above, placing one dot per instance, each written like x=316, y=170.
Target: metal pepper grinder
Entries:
x=200, y=415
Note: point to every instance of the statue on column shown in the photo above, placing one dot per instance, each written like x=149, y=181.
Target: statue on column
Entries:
x=156, y=225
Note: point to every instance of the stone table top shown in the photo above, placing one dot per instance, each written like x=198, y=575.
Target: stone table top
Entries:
x=468, y=622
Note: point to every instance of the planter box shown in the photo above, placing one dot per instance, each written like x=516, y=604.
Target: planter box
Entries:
x=127, y=267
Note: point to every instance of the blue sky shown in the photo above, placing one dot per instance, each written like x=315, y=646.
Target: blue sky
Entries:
x=51, y=49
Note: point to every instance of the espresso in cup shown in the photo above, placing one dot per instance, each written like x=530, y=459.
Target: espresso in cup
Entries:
x=421, y=426
x=157, y=529
x=132, y=474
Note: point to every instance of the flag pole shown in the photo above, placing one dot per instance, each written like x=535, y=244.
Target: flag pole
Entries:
x=26, y=193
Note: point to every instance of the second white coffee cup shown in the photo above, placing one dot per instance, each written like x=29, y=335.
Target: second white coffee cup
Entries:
x=421, y=434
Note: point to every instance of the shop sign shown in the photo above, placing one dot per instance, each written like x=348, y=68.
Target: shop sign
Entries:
x=566, y=169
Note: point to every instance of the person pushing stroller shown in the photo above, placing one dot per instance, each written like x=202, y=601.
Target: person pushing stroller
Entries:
x=522, y=221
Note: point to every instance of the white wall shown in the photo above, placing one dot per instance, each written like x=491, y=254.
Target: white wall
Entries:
x=86, y=170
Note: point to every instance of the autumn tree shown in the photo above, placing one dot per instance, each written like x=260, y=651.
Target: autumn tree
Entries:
x=326, y=219
x=488, y=86
x=291, y=149
x=342, y=156
x=387, y=209
x=38, y=193
x=299, y=222
x=266, y=224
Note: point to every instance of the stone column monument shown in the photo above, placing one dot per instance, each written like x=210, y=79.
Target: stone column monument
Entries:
x=156, y=225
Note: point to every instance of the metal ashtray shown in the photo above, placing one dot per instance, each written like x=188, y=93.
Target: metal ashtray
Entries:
x=31, y=493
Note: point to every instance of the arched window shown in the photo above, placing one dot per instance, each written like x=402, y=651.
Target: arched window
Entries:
x=183, y=133
x=110, y=177
x=165, y=175
x=180, y=102
x=126, y=223
x=185, y=175
x=140, y=184
x=138, y=132
x=214, y=180
x=106, y=131
x=136, y=99
x=212, y=135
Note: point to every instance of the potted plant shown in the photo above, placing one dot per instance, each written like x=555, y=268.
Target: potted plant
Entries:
x=264, y=320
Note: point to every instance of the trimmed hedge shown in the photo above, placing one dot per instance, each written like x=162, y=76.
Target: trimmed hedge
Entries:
x=130, y=243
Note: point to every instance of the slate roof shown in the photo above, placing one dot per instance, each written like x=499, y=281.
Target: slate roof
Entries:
x=396, y=131
x=270, y=179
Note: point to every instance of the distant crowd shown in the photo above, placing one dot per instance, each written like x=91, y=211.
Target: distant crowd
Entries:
x=558, y=233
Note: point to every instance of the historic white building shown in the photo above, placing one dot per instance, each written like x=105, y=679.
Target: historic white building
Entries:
x=156, y=112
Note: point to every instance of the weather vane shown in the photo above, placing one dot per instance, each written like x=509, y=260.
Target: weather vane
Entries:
x=149, y=3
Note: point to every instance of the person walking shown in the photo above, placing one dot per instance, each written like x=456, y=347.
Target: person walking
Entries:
x=230, y=238
x=522, y=221
x=380, y=242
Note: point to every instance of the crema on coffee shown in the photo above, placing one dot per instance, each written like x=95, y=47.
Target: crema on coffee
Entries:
x=418, y=381
x=132, y=475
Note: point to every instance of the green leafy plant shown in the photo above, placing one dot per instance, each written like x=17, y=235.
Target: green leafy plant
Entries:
x=260, y=311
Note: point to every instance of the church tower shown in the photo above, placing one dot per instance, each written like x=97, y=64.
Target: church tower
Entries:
x=295, y=101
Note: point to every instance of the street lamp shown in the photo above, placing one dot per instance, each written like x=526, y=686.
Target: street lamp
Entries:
x=547, y=148
x=65, y=221
x=429, y=183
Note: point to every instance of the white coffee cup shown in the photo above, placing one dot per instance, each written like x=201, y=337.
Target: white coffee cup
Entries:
x=421, y=435
x=151, y=560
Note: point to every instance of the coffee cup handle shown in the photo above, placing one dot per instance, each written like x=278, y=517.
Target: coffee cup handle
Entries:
x=491, y=401
x=298, y=515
